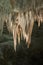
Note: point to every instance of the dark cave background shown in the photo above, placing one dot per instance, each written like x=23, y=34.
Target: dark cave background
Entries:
x=23, y=55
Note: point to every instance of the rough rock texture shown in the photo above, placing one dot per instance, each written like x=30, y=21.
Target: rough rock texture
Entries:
x=7, y=5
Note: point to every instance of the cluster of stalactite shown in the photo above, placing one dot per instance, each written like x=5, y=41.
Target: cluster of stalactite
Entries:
x=20, y=24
